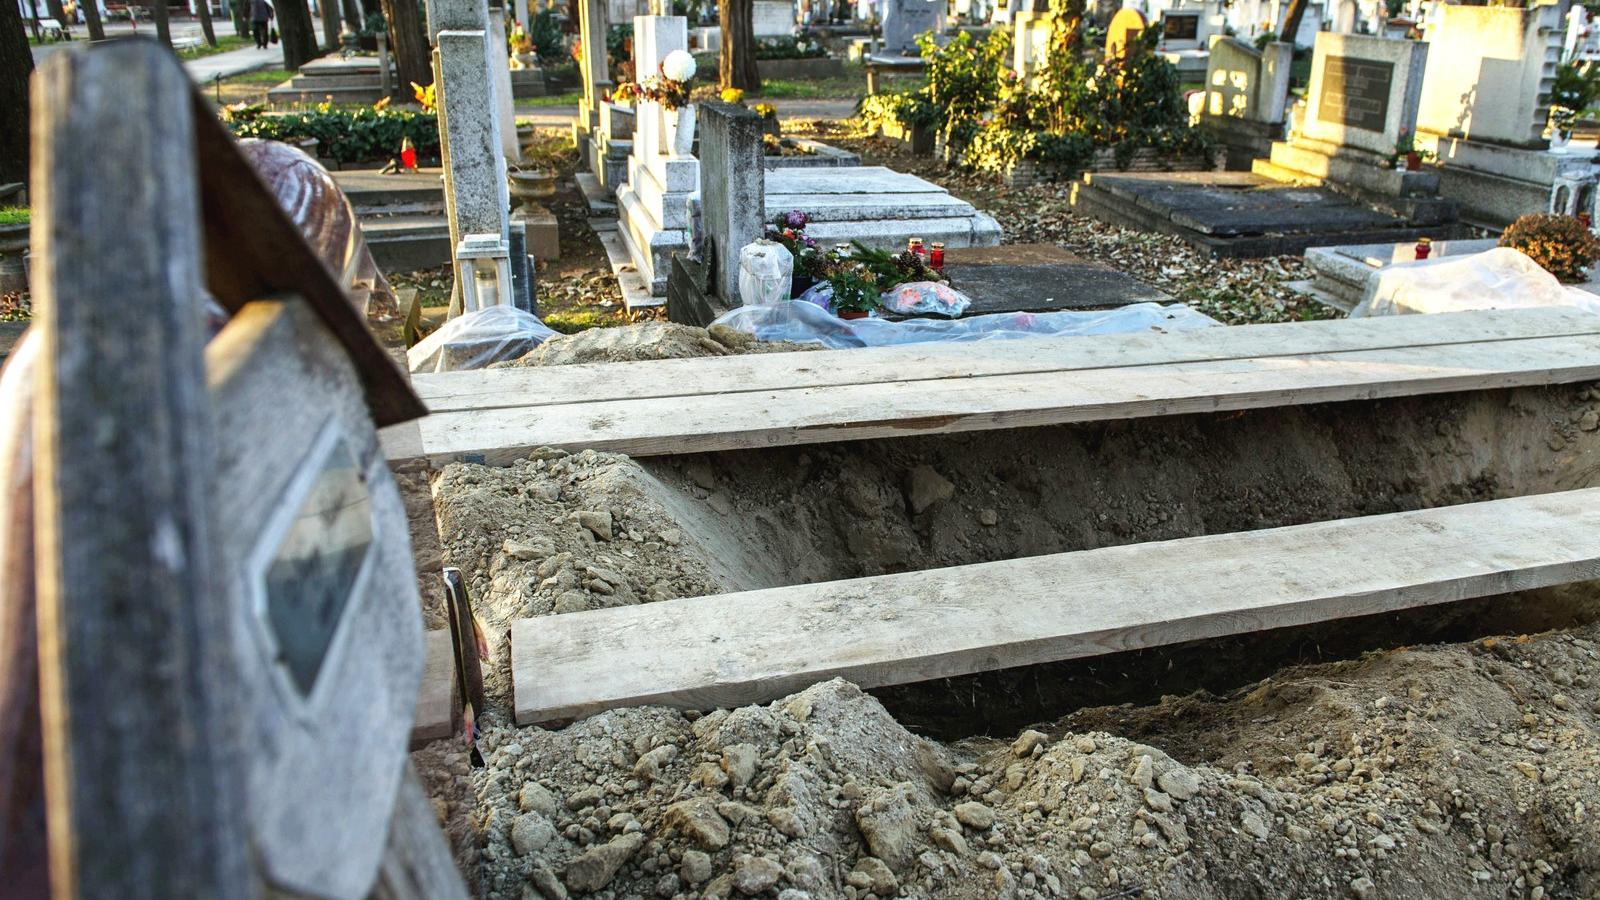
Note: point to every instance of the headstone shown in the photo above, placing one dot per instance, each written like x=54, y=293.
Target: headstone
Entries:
x=905, y=20
x=732, y=189
x=1365, y=92
x=772, y=18
x=1245, y=83
x=1126, y=27
x=1030, y=43
x=1488, y=74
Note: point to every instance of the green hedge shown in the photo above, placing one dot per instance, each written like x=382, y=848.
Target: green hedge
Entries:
x=347, y=135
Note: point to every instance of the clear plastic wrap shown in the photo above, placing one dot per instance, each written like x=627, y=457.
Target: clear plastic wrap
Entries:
x=805, y=323
x=766, y=270
x=476, y=339
x=1501, y=278
x=925, y=297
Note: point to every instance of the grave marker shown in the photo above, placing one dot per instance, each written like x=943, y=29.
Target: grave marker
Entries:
x=188, y=707
x=732, y=190
x=1365, y=91
x=1125, y=28
x=905, y=20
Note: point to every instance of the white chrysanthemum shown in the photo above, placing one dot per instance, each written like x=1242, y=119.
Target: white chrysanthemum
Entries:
x=679, y=65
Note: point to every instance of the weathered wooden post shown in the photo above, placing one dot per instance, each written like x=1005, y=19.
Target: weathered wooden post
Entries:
x=230, y=638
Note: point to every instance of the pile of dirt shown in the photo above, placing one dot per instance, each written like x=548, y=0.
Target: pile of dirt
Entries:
x=1458, y=765
x=1456, y=771
x=650, y=340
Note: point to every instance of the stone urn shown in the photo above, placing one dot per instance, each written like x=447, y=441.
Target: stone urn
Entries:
x=530, y=186
x=678, y=130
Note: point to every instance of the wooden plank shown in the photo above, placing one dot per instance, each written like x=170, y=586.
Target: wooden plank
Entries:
x=437, y=709
x=143, y=800
x=852, y=412
x=552, y=385
x=752, y=647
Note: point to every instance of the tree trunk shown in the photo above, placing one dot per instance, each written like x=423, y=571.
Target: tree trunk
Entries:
x=352, y=14
x=91, y=20
x=16, y=64
x=33, y=6
x=56, y=11
x=202, y=8
x=408, y=41
x=298, y=35
x=1291, y=21
x=330, y=24
x=737, y=64
x=163, y=27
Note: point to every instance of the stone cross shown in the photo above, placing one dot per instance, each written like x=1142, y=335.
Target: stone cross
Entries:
x=732, y=189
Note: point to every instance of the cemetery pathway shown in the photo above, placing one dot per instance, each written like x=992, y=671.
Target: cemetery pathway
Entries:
x=203, y=70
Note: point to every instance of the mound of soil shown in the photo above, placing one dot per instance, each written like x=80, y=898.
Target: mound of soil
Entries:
x=1448, y=772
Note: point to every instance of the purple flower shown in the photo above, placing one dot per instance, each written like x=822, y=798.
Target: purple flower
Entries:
x=810, y=242
x=795, y=219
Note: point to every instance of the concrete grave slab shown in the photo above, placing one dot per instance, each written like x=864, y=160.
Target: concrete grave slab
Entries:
x=1040, y=278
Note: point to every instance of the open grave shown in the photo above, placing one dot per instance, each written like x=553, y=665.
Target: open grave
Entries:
x=1168, y=513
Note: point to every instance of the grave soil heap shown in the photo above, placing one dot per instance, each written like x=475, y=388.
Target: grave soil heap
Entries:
x=1460, y=770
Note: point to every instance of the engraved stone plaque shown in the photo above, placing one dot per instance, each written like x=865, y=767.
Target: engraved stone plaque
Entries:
x=1355, y=92
x=1181, y=26
x=310, y=577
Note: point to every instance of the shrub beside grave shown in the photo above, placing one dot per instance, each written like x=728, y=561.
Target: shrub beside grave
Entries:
x=344, y=135
x=1562, y=245
x=1072, y=113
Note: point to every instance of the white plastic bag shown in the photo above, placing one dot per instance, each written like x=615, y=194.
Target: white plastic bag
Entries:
x=766, y=269
x=476, y=339
x=1501, y=278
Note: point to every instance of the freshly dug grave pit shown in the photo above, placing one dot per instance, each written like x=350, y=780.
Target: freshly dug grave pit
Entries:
x=565, y=532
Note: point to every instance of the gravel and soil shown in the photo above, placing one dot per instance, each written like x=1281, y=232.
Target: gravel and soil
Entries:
x=1226, y=770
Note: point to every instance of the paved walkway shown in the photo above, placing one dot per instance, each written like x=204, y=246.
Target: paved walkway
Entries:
x=205, y=69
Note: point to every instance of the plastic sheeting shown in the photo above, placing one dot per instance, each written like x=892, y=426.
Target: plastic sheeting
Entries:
x=1501, y=278
x=323, y=214
x=805, y=323
x=925, y=298
x=476, y=339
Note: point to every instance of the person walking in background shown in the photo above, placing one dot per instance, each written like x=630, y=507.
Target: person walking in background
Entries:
x=260, y=14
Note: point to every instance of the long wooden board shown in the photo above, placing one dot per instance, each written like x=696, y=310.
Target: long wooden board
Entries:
x=715, y=422
x=752, y=647
x=557, y=385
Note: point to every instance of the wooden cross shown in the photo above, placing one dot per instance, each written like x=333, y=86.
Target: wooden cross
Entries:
x=230, y=633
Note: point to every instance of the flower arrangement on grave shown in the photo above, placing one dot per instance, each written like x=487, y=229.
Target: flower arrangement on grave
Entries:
x=766, y=110
x=1561, y=245
x=669, y=87
x=733, y=95
x=1407, y=155
x=426, y=96
x=789, y=229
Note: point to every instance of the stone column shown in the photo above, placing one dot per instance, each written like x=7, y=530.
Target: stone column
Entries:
x=500, y=74
x=732, y=189
x=477, y=196
x=593, y=70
